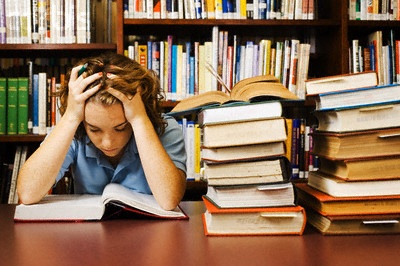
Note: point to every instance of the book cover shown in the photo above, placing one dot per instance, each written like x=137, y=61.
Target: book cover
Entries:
x=244, y=133
x=253, y=221
x=341, y=82
x=114, y=200
x=326, y=204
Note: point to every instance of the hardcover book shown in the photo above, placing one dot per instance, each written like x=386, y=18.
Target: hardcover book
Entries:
x=359, y=118
x=239, y=111
x=340, y=188
x=114, y=201
x=341, y=82
x=244, y=132
x=326, y=204
x=354, y=224
x=360, y=97
x=249, y=196
x=248, y=172
x=253, y=221
x=358, y=169
x=265, y=87
x=367, y=143
x=242, y=153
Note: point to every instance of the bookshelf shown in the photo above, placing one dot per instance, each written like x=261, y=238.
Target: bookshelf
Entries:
x=330, y=34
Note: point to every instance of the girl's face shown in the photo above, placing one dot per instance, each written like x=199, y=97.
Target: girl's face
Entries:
x=107, y=128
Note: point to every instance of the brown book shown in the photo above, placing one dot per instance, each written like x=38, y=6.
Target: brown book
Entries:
x=248, y=172
x=289, y=220
x=354, y=224
x=326, y=204
x=341, y=82
x=368, y=143
x=337, y=187
x=370, y=168
x=244, y=133
x=265, y=87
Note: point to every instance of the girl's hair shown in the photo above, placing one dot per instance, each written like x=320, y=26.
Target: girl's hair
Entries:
x=129, y=75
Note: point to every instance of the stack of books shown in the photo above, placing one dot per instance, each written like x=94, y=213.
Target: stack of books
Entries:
x=249, y=188
x=357, y=187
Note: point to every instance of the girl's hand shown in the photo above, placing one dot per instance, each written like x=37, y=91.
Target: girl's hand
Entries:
x=133, y=105
x=77, y=95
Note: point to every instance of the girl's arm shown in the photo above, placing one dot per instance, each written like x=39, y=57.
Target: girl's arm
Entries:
x=38, y=174
x=166, y=181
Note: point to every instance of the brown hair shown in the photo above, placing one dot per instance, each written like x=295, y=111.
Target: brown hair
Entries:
x=129, y=76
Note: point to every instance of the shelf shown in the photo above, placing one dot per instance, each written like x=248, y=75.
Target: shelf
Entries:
x=22, y=138
x=58, y=47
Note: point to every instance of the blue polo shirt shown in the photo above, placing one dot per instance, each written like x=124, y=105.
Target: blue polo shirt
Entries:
x=92, y=172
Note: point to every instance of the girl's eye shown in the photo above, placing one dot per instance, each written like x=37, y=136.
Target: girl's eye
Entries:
x=93, y=130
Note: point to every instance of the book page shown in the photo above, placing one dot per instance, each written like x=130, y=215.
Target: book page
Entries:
x=144, y=202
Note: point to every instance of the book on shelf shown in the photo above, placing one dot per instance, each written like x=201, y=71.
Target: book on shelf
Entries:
x=265, y=87
x=248, y=172
x=3, y=105
x=20, y=156
x=364, y=168
x=244, y=132
x=12, y=106
x=354, y=224
x=364, y=143
x=115, y=200
x=253, y=195
x=360, y=97
x=340, y=188
x=243, y=153
x=340, y=82
x=239, y=111
x=326, y=204
x=356, y=119
x=288, y=220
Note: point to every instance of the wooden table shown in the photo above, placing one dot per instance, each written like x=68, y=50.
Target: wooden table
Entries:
x=156, y=242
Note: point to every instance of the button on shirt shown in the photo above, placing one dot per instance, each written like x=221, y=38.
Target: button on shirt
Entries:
x=92, y=171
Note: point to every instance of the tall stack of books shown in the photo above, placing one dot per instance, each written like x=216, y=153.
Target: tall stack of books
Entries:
x=249, y=188
x=357, y=187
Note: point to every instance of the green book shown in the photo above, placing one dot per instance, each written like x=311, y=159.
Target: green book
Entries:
x=3, y=106
x=12, y=106
x=23, y=102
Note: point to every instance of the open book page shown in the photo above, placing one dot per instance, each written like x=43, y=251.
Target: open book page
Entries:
x=144, y=202
x=62, y=207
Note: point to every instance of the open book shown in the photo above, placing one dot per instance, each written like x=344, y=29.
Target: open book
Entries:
x=115, y=200
x=265, y=87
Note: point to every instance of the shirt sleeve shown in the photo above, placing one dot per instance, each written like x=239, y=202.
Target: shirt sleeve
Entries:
x=174, y=143
x=69, y=159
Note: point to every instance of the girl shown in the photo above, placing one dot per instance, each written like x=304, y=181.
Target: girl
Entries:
x=111, y=131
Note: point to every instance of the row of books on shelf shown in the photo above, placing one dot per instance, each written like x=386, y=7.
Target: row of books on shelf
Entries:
x=8, y=176
x=356, y=188
x=28, y=105
x=374, y=10
x=190, y=68
x=220, y=9
x=380, y=53
x=60, y=21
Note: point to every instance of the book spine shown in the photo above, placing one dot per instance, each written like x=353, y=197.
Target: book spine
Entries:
x=294, y=157
x=3, y=105
x=12, y=106
x=14, y=175
x=23, y=102
x=42, y=104
x=3, y=24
